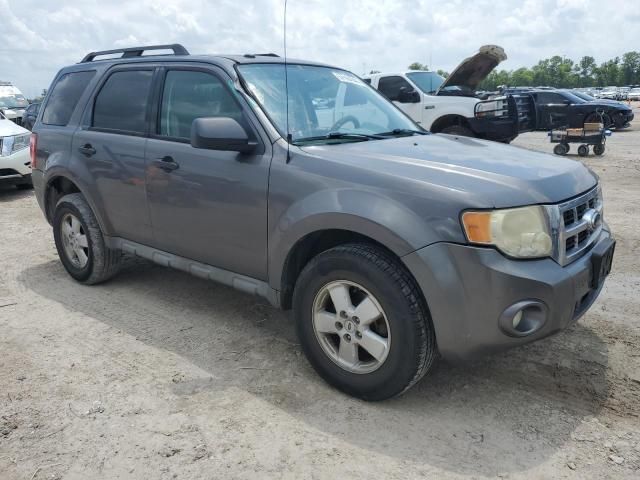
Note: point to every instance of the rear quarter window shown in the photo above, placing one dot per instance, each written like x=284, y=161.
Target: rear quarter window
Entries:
x=64, y=97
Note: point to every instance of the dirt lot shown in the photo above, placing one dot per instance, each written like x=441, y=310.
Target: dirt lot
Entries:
x=158, y=375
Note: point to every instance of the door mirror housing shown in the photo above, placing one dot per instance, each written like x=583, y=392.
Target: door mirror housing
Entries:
x=221, y=133
x=408, y=96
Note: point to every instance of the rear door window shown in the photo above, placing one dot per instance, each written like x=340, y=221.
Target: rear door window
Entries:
x=64, y=97
x=121, y=105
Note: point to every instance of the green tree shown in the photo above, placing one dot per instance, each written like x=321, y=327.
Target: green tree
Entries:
x=442, y=73
x=587, y=71
x=418, y=66
x=630, y=68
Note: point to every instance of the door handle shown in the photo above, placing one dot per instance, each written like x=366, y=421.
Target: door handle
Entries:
x=167, y=163
x=87, y=150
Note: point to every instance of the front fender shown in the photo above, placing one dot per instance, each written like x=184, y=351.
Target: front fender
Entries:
x=380, y=218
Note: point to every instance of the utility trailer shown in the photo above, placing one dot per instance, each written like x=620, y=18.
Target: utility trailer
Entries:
x=593, y=134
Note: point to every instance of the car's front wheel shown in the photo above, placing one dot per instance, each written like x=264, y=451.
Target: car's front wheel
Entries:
x=80, y=243
x=362, y=322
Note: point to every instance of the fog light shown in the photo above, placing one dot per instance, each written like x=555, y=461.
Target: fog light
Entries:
x=517, y=319
x=523, y=318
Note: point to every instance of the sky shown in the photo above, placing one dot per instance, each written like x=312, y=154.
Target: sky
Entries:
x=38, y=37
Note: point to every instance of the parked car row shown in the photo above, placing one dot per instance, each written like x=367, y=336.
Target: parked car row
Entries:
x=557, y=108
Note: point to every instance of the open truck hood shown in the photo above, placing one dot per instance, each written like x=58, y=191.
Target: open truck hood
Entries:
x=475, y=69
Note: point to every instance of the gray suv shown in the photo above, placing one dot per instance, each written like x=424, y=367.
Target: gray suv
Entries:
x=300, y=183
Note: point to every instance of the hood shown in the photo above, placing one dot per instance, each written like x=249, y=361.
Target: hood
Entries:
x=482, y=174
x=8, y=128
x=475, y=69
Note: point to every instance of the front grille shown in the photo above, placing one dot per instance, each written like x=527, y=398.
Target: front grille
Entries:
x=580, y=225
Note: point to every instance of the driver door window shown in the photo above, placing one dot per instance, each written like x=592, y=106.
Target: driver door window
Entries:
x=390, y=87
x=189, y=95
x=550, y=99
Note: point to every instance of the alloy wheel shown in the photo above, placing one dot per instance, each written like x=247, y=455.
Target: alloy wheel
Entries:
x=351, y=326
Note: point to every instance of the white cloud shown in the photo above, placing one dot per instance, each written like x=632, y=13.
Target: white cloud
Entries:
x=37, y=38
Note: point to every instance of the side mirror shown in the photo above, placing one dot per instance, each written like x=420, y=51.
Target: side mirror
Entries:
x=220, y=133
x=408, y=96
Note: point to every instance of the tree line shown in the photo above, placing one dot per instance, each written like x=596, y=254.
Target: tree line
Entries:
x=562, y=72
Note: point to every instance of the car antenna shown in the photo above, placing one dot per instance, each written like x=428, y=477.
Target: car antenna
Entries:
x=286, y=85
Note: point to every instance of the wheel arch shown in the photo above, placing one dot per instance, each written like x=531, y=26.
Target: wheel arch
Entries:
x=449, y=120
x=57, y=186
x=311, y=245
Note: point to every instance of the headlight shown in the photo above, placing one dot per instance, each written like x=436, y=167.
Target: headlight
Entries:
x=518, y=232
x=11, y=145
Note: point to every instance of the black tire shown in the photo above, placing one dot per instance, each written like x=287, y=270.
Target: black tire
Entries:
x=598, y=150
x=583, y=150
x=561, y=149
x=458, y=130
x=103, y=263
x=594, y=117
x=413, y=348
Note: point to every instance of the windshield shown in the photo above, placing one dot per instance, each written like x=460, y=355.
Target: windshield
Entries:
x=324, y=103
x=584, y=96
x=13, y=101
x=427, y=81
x=573, y=98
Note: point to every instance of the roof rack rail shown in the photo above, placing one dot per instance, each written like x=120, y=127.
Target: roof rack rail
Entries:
x=136, y=51
x=254, y=55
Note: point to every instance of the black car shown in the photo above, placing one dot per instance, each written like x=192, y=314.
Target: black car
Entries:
x=30, y=114
x=561, y=108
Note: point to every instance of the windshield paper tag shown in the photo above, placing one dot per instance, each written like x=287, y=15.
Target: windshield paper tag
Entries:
x=346, y=78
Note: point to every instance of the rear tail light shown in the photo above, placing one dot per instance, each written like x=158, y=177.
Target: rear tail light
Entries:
x=33, y=149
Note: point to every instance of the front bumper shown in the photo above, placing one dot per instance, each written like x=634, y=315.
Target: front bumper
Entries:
x=16, y=166
x=469, y=288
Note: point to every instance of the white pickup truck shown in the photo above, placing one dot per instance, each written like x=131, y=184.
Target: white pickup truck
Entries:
x=450, y=105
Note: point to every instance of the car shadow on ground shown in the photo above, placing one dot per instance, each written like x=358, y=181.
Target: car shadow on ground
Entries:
x=504, y=413
x=9, y=193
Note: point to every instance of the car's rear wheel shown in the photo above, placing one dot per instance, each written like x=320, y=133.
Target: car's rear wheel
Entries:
x=80, y=243
x=362, y=322
x=595, y=117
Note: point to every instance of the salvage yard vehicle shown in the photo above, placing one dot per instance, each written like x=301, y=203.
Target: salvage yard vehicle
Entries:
x=12, y=102
x=391, y=245
x=30, y=114
x=634, y=94
x=452, y=105
x=15, y=162
x=561, y=108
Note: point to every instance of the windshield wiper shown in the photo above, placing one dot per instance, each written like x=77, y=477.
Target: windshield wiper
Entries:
x=340, y=135
x=403, y=131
